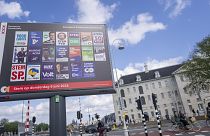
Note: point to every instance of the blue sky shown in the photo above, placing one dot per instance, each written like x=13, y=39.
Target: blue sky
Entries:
x=157, y=32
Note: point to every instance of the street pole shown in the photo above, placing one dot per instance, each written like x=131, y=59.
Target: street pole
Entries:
x=80, y=125
x=120, y=44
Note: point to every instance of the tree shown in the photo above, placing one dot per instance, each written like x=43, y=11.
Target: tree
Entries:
x=197, y=67
x=4, y=121
x=42, y=127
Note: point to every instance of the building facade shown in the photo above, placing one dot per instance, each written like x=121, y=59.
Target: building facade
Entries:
x=170, y=86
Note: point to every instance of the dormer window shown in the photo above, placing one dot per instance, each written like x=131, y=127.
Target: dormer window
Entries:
x=121, y=82
x=157, y=74
x=138, y=78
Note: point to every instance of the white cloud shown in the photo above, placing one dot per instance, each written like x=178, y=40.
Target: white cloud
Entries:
x=134, y=30
x=12, y=10
x=151, y=63
x=175, y=6
x=93, y=11
x=31, y=21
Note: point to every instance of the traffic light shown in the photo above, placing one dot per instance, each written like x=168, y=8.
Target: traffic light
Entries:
x=154, y=99
x=97, y=116
x=34, y=119
x=139, y=106
x=78, y=115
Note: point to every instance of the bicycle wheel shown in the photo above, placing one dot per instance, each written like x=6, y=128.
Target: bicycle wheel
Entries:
x=196, y=126
x=175, y=127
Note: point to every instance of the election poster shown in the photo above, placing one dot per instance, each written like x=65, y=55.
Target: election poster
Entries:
x=62, y=53
x=99, y=53
x=88, y=70
x=49, y=38
x=35, y=39
x=34, y=55
x=33, y=72
x=62, y=71
x=61, y=38
x=17, y=72
x=75, y=53
x=86, y=38
x=74, y=39
x=47, y=71
x=21, y=38
x=87, y=53
x=76, y=70
x=48, y=54
x=19, y=55
x=98, y=38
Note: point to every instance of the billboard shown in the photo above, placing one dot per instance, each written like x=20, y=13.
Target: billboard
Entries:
x=39, y=60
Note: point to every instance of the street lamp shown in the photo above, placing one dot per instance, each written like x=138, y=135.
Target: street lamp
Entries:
x=119, y=43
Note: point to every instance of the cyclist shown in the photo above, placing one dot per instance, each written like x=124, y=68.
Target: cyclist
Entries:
x=183, y=120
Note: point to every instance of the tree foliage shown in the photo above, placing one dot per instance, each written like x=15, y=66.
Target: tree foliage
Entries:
x=197, y=67
x=42, y=127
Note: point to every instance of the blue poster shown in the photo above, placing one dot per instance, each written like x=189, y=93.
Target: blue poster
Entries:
x=48, y=71
x=88, y=70
x=76, y=70
x=35, y=39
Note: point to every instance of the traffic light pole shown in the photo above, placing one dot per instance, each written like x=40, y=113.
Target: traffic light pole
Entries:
x=154, y=99
x=57, y=116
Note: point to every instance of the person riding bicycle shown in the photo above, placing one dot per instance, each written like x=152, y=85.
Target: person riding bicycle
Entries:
x=183, y=120
x=100, y=127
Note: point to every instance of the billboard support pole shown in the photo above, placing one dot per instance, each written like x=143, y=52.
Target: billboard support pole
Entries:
x=57, y=116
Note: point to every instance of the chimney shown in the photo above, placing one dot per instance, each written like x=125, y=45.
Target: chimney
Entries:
x=146, y=68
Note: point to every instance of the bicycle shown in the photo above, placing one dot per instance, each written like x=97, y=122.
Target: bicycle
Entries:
x=193, y=125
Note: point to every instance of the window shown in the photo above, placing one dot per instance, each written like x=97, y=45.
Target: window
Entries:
x=118, y=112
x=181, y=77
x=165, y=105
x=125, y=104
x=141, y=90
x=169, y=94
x=119, y=117
x=121, y=82
x=200, y=106
x=179, y=103
x=152, y=113
x=151, y=107
x=198, y=99
x=190, y=107
x=159, y=84
x=132, y=116
x=149, y=97
x=139, y=115
x=143, y=102
x=130, y=101
x=131, y=110
x=153, y=85
x=128, y=90
x=122, y=93
x=166, y=83
x=134, y=89
x=157, y=74
x=172, y=104
x=176, y=93
x=138, y=78
x=188, y=101
x=146, y=85
x=166, y=111
x=162, y=95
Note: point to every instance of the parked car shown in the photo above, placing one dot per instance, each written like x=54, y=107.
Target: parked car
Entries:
x=107, y=128
x=91, y=129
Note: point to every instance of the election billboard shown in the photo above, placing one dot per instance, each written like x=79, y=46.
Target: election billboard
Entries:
x=39, y=60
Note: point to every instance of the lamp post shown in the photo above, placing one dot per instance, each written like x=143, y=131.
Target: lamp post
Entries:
x=120, y=45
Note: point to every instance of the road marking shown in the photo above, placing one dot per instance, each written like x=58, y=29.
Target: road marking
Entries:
x=200, y=135
x=204, y=131
x=191, y=132
x=166, y=135
x=133, y=133
x=179, y=134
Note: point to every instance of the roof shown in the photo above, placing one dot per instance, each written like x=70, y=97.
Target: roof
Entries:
x=164, y=72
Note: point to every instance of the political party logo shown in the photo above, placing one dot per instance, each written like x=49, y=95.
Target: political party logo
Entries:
x=48, y=54
x=19, y=55
x=88, y=70
x=17, y=72
x=99, y=53
x=35, y=39
x=75, y=53
x=76, y=70
x=98, y=38
x=61, y=38
x=87, y=53
x=3, y=29
x=74, y=39
x=86, y=38
x=48, y=71
x=21, y=38
x=33, y=72
x=48, y=37
x=62, y=71
x=62, y=54
x=34, y=55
